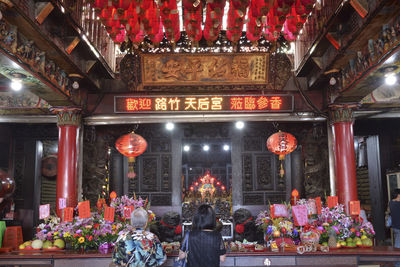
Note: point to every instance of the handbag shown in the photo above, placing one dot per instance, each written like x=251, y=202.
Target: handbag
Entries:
x=388, y=222
x=183, y=262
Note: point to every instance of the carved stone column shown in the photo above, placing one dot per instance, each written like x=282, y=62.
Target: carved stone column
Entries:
x=68, y=122
x=341, y=119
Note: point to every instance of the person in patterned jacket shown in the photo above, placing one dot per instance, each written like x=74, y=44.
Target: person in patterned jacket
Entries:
x=138, y=248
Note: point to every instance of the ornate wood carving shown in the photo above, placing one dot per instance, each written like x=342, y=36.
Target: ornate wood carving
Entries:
x=130, y=70
x=132, y=187
x=275, y=197
x=149, y=177
x=280, y=70
x=68, y=115
x=160, y=145
x=247, y=173
x=264, y=172
x=204, y=69
x=161, y=200
x=252, y=144
x=341, y=113
x=253, y=199
x=95, y=158
x=166, y=168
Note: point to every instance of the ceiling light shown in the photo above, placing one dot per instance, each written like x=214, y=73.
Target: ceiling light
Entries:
x=16, y=85
x=206, y=147
x=169, y=126
x=75, y=85
x=226, y=147
x=239, y=125
x=186, y=148
x=390, y=79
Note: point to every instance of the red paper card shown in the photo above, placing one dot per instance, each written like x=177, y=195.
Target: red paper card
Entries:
x=318, y=204
x=127, y=211
x=84, y=209
x=109, y=213
x=44, y=211
x=300, y=215
x=68, y=214
x=354, y=207
x=332, y=201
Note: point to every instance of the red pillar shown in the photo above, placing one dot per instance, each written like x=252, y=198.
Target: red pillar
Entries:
x=346, y=180
x=68, y=121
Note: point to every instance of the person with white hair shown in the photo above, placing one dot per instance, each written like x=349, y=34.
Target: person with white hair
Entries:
x=138, y=248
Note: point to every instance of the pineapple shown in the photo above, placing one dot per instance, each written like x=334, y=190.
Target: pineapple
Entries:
x=332, y=239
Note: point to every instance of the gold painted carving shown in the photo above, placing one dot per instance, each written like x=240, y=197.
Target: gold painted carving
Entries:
x=204, y=69
x=67, y=115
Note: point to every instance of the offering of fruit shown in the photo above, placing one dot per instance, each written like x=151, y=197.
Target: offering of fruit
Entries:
x=37, y=244
x=59, y=243
x=47, y=244
x=277, y=233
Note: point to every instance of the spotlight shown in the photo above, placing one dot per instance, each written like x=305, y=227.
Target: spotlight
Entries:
x=239, y=125
x=206, y=147
x=170, y=126
x=186, y=148
x=16, y=85
x=226, y=147
x=391, y=79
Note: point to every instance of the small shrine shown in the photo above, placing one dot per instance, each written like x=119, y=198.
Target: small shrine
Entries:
x=207, y=189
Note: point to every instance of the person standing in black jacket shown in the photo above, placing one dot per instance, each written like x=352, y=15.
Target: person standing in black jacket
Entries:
x=206, y=246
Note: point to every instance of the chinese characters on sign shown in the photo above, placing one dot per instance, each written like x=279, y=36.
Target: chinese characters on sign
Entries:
x=210, y=69
x=224, y=103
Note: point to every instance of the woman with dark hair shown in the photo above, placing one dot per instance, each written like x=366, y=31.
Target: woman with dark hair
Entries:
x=206, y=247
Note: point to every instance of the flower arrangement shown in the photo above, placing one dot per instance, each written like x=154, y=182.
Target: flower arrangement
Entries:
x=275, y=228
x=347, y=229
x=93, y=232
x=336, y=219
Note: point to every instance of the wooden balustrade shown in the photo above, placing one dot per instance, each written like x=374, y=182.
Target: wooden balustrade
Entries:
x=86, y=19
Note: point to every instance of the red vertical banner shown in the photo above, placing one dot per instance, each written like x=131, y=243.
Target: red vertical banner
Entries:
x=84, y=209
x=127, y=211
x=332, y=201
x=271, y=207
x=109, y=213
x=318, y=204
x=354, y=206
x=68, y=214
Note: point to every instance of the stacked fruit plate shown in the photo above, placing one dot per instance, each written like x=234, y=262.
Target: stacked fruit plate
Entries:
x=39, y=245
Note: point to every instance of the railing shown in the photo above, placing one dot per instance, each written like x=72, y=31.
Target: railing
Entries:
x=84, y=16
x=313, y=29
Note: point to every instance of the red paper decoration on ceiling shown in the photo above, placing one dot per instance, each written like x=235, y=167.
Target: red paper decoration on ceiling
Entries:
x=138, y=18
x=131, y=145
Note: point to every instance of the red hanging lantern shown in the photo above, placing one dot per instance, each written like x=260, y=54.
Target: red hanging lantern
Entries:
x=281, y=143
x=131, y=145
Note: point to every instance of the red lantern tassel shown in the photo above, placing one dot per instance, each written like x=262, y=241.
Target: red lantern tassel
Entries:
x=131, y=164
